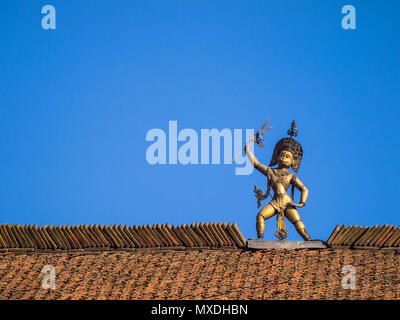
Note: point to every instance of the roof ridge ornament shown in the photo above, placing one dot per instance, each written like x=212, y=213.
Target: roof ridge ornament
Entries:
x=287, y=153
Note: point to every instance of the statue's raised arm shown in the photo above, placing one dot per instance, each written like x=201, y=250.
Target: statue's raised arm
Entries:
x=257, y=139
x=254, y=161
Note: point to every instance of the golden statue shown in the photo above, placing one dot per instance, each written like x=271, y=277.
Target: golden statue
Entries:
x=287, y=153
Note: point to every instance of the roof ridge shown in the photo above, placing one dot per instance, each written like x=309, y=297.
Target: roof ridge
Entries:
x=80, y=237
x=358, y=237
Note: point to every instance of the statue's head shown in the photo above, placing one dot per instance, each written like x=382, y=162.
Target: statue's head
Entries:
x=288, y=152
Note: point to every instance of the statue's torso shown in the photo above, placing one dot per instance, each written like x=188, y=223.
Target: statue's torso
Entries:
x=280, y=180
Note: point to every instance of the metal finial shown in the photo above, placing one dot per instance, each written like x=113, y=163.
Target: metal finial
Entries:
x=293, y=130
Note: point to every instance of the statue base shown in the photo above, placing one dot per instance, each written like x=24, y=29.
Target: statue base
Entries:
x=279, y=244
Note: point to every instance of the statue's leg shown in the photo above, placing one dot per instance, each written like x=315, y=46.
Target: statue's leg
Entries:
x=294, y=217
x=265, y=213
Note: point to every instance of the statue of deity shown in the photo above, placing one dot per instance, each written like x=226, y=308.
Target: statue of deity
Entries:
x=287, y=153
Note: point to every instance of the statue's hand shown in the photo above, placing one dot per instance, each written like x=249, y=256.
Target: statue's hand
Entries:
x=299, y=205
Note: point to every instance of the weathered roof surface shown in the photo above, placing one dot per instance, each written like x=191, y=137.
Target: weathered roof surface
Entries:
x=203, y=274
x=387, y=236
x=203, y=235
x=197, y=261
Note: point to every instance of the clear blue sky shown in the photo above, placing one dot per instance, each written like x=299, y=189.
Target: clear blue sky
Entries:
x=77, y=102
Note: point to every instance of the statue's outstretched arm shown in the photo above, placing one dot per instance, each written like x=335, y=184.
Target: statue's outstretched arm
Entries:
x=254, y=161
x=302, y=188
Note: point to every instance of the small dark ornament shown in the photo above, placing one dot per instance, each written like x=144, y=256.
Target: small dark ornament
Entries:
x=260, y=195
x=293, y=131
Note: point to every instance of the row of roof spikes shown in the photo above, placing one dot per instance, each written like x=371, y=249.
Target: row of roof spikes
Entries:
x=121, y=236
x=386, y=236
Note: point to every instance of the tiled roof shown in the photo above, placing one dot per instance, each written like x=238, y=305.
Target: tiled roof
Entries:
x=197, y=261
x=202, y=235
x=203, y=274
x=365, y=237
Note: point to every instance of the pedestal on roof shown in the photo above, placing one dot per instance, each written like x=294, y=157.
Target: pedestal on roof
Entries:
x=279, y=244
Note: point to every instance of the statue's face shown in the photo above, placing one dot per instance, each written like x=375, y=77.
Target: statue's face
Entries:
x=285, y=159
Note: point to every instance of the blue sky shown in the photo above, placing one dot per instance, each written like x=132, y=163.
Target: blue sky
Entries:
x=77, y=102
